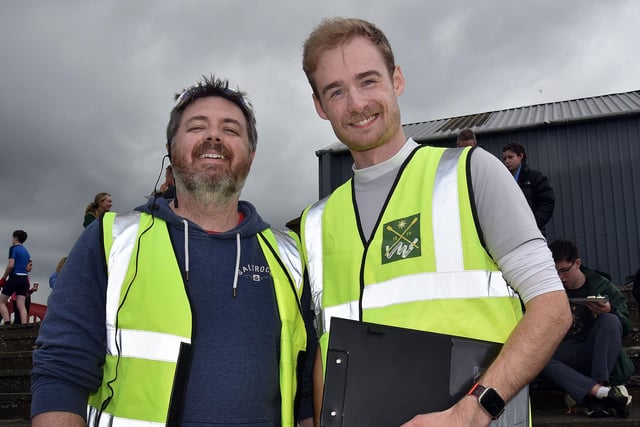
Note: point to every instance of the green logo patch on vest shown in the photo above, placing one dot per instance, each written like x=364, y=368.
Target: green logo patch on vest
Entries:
x=401, y=239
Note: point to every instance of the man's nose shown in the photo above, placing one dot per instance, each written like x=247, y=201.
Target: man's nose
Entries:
x=357, y=101
x=213, y=134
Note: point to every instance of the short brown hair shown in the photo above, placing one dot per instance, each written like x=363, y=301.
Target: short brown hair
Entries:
x=466, y=135
x=210, y=86
x=334, y=32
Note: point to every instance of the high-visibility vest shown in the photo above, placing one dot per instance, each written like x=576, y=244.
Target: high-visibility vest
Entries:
x=143, y=347
x=425, y=266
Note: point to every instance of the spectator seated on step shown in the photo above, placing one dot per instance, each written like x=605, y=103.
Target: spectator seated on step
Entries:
x=590, y=364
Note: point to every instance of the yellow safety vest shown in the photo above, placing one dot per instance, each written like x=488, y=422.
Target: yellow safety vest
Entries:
x=425, y=266
x=143, y=348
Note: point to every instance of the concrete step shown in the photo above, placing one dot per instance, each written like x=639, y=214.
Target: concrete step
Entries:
x=16, y=360
x=18, y=337
x=15, y=381
x=16, y=423
x=549, y=419
x=15, y=407
x=549, y=410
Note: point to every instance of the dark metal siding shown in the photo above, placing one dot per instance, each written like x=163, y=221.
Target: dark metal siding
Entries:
x=594, y=169
x=335, y=169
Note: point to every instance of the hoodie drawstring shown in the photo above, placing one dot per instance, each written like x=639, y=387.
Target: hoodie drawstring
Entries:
x=186, y=257
x=235, y=273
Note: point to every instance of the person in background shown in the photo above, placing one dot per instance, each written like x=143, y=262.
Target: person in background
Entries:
x=168, y=187
x=56, y=272
x=373, y=240
x=16, y=276
x=27, y=301
x=206, y=315
x=590, y=364
x=102, y=203
x=466, y=138
x=535, y=186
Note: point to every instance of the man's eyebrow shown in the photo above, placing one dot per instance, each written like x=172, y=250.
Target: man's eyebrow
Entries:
x=194, y=118
x=232, y=120
x=369, y=73
x=329, y=87
x=359, y=76
x=206, y=119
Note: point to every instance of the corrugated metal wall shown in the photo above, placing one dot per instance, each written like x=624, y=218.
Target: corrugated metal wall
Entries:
x=594, y=169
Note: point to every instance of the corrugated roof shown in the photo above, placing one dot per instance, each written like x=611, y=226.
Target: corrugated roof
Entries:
x=617, y=104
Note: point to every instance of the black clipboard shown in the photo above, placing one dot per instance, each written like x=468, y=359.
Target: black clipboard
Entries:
x=379, y=375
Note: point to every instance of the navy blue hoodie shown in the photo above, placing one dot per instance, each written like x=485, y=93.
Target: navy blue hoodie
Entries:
x=234, y=377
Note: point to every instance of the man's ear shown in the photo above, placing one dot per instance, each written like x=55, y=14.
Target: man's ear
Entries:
x=398, y=81
x=319, y=109
x=578, y=262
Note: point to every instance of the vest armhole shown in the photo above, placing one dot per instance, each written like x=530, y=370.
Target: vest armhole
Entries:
x=110, y=217
x=472, y=202
x=178, y=391
x=274, y=253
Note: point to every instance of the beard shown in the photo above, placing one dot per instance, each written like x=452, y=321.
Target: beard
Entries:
x=215, y=183
x=356, y=141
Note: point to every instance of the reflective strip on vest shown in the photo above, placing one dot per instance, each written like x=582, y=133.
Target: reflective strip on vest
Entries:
x=313, y=242
x=132, y=343
x=447, y=236
x=145, y=344
x=290, y=256
x=423, y=287
x=108, y=420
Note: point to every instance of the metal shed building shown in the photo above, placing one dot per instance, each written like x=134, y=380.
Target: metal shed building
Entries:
x=589, y=148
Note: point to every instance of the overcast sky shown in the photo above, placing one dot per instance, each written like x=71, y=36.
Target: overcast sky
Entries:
x=86, y=88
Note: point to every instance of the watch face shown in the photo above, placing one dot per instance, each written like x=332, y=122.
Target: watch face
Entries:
x=492, y=402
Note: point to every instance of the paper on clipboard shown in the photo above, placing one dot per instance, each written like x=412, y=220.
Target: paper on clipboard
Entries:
x=586, y=300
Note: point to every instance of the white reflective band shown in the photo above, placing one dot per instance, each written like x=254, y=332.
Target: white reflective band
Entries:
x=289, y=255
x=313, y=242
x=125, y=231
x=447, y=236
x=108, y=420
x=144, y=344
x=347, y=310
x=435, y=286
x=422, y=287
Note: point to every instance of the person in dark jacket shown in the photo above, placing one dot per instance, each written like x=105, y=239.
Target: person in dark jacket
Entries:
x=534, y=184
x=590, y=363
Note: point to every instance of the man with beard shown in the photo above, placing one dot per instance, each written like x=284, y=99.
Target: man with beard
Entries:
x=185, y=311
x=421, y=237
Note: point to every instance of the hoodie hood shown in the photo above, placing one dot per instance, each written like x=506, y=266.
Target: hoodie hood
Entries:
x=250, y=225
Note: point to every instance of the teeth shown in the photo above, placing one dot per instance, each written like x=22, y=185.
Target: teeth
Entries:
x=364, y=121
x=212, y=156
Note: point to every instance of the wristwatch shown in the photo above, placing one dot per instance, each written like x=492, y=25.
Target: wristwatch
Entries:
x=489, y=400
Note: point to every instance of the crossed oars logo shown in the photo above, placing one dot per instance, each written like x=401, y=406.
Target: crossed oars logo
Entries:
x=412, y=244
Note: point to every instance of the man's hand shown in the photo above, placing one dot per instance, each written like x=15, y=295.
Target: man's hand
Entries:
x=465, y=413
